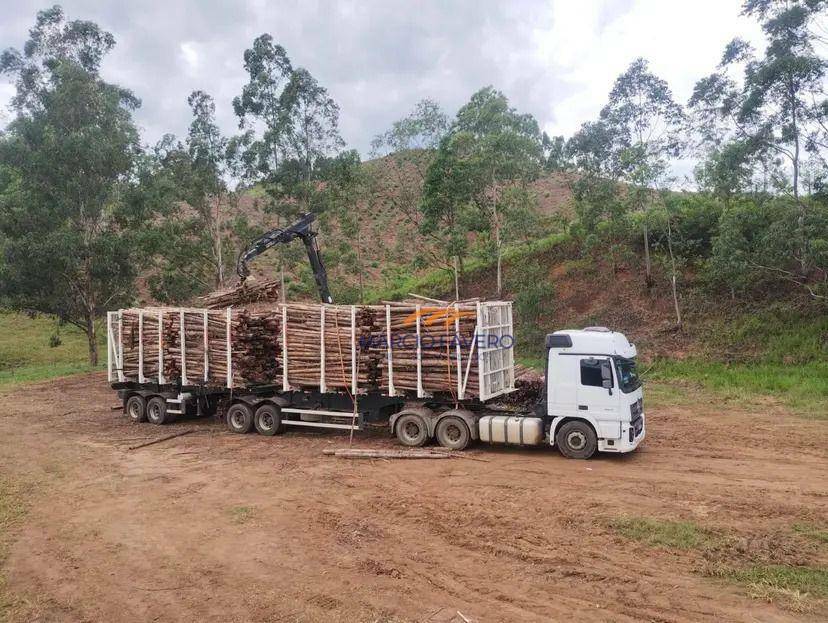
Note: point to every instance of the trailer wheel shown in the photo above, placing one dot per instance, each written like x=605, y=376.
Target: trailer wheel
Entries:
x=411, y=430
x=453, y=433
x=268, y=420
x=576, y=440
x=136, y=408
x=157, y=411
x=239, y=418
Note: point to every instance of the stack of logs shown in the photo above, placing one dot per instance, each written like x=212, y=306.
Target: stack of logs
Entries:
x=257, y=352
x=243, y=294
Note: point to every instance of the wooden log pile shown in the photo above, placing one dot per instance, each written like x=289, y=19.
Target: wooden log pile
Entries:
x=243, y=294
x=323, y=344
x=442, y=329
x=306, y=335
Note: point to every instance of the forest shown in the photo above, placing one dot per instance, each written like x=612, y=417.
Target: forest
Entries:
x=474, y=202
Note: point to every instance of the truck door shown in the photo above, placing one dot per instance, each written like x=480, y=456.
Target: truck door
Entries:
x=598, y=394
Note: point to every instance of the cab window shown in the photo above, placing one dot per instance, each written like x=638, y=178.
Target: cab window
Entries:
x=591, y=373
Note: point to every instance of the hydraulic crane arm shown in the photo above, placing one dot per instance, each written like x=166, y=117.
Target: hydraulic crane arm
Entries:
x=300, y=229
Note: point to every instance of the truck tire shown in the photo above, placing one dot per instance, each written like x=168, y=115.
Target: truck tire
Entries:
x=576, y=440
x=411, y=430
x=136, y=408
x=268, y=420
x=157, y=411
x=239, y=418
x=453, y=433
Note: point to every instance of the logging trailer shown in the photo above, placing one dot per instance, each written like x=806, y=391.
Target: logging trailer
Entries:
x=591, y=399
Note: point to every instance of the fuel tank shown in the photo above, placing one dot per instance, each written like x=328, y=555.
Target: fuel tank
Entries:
x=520, y=431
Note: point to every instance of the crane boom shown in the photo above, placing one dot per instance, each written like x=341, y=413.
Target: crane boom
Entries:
x=300, y=229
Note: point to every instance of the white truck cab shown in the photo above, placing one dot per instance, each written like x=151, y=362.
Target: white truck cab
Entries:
x=591, y=380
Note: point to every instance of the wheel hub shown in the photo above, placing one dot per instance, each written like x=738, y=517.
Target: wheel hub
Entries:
x=576, y=440
x=453, y=432
x=411, y=430
x=266, y=421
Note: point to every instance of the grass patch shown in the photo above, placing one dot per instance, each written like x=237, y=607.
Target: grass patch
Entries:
x=776, y=334
x=27, y=352
x=437, y=282
x=812, y=532
x=663, y=533
x=12, y=510
x=241, y=514
x=803, y=388
x=793, y=586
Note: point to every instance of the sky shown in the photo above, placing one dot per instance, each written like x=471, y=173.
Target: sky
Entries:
x=556, y=59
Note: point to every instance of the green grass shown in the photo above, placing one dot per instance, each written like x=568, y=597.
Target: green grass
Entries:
x=438, y=282
x=664, y=533
x=802, y=387
x=775, y=334
x=26, y=354
x=812, y=532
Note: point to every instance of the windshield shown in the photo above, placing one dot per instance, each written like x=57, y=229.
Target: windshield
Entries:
x=627, y=376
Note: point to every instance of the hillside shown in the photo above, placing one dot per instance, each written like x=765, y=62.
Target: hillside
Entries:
x=390, y=242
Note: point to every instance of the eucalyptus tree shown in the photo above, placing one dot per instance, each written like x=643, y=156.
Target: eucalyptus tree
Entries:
x=72, y=212
x=759, y=109
x=637, y=134
x=403, y=156
x=291, y=124
x=193, y=248
x=490, y=150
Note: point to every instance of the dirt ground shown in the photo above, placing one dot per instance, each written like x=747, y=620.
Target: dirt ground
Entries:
x=221, y=527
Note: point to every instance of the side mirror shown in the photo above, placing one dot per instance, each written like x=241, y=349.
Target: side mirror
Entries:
x=607, y=383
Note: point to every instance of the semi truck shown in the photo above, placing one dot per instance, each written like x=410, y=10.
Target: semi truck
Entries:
x=591, y=401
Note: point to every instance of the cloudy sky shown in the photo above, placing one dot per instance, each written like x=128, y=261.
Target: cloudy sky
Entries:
x=556, y=59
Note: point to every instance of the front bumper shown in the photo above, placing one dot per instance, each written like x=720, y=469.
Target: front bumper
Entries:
x=632, y=434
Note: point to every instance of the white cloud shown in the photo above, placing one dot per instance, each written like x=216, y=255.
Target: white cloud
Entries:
x=556, y=59
x=682, y=41
x=190, y=56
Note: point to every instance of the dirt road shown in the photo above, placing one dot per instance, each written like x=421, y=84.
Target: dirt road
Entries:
x=221, y=527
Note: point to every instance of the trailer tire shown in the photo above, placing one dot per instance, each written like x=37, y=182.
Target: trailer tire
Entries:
x=157, y=411
x=453, y=433
x=576, y=440
x=268, y=420
x=411, y=430
x=239, y=418
x=135, y=408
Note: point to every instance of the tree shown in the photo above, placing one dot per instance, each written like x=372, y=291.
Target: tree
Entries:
x=408, y=148
x=291, y=126
x=489, y=149
x=775, y=111
x=297, y=123
x=347, y=198
x=193, y=245
x=637, y=134
x=71, y=210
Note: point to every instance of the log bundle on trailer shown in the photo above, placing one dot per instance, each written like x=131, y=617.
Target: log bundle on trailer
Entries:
x=395, y=348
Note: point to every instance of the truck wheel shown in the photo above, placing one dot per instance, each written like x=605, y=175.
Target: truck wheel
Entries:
x=136, y=408
x=157, y=411
x=411, y=430
x=576, y=440
x=268, y=420
x=239, y=418
x=453, y=433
